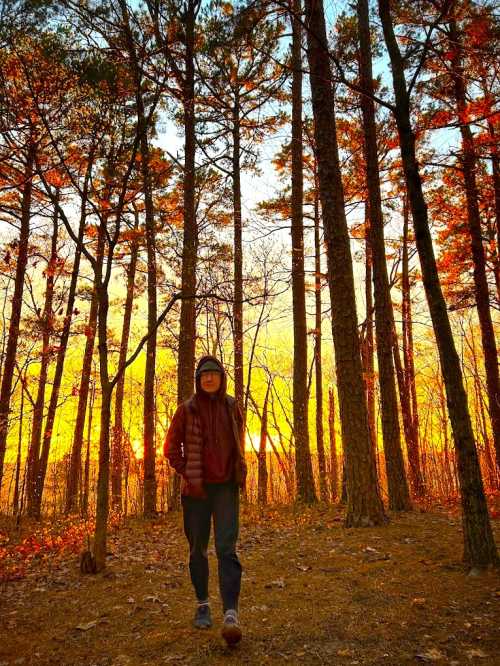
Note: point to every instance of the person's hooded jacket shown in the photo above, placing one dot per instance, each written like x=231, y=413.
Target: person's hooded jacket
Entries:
x=205, y=440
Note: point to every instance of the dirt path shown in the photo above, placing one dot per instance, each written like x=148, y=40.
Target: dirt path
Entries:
x=312, y=593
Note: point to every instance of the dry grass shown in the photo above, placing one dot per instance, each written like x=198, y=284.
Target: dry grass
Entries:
x=312, y=593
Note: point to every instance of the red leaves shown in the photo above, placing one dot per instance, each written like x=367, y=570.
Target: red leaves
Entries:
x=16, y=559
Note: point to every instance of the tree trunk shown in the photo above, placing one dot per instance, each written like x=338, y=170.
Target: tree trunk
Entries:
x=367, y=343
x=494, y=479
x=102, y=499
x=187, y=330
x=409, y=388
x=15, y=502
x=17, y=303
x=481, y=291
x=320, y=446
x=149, y=371
x=479, y=546
x=262, y=479
x=364, y=504
x=147, y=188
x=238, y=263
x=84, y=490
x=303, y=463
x=117, y=448
x=90, y=332
x=399, y=494
x=47, y=327
x=334, y=467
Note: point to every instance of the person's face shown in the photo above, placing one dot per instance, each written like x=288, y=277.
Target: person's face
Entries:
x=210, y=381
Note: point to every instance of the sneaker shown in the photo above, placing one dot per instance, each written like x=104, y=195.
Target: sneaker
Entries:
x=202, y=617
x=231, y=630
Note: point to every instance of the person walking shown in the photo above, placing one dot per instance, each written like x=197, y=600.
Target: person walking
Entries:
x=205, y=445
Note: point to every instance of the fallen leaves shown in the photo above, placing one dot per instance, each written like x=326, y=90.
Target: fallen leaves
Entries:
x=279, y=582
x=293, y=589
x=85, y=626
x=432, y=654
x=474, y=653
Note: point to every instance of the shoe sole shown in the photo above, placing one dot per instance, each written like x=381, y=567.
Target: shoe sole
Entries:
x=202, y=626
x=231, y=634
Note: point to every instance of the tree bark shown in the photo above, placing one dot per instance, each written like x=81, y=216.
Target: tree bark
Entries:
x=364, y=504
x=102, y=499
x=320, y=446
x=84, y=487
x=479, y=546
x=83, y=393
x=187, y=330
x=334, y=467
x=262, y=478
x=15, y=501
x=17, y=303
x=117, y=446
x=367, y=342
x=149, y=449
x=399, y=494
x=150, y=368
x=33, y=470
x=303, y=463
x=409, y=388
x=238, y=262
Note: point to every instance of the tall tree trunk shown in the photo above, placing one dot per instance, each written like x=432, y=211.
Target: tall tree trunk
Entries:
x=84, y=487
x=15, y=502
x=238, y=262
x=102, y=498
x=17, y=303
x=479, y=546
x=262, y=478
x=47, y=327
x=364, y=504
x=149, y=371
x=83, y=392
x=117, y=447
x=399, y=494
x=187, y=331
x=334, y=466
x=303, y=463
x=481, y=291
x=367, y=343
x=448, y=474
x=320, y=446
x=493, y=476
x=409, y=384
x=147, y=189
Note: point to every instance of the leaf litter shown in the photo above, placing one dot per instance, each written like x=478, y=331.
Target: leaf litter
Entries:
x=313, y=592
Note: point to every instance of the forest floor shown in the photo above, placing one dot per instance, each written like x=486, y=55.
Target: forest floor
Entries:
x=313, y=592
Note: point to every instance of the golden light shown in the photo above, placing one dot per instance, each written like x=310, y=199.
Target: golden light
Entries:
x=138, y=449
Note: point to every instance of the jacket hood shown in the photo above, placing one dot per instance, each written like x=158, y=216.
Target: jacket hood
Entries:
x=223, y=385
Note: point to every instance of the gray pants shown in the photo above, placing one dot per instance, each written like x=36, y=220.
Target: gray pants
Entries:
x=223, y=504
